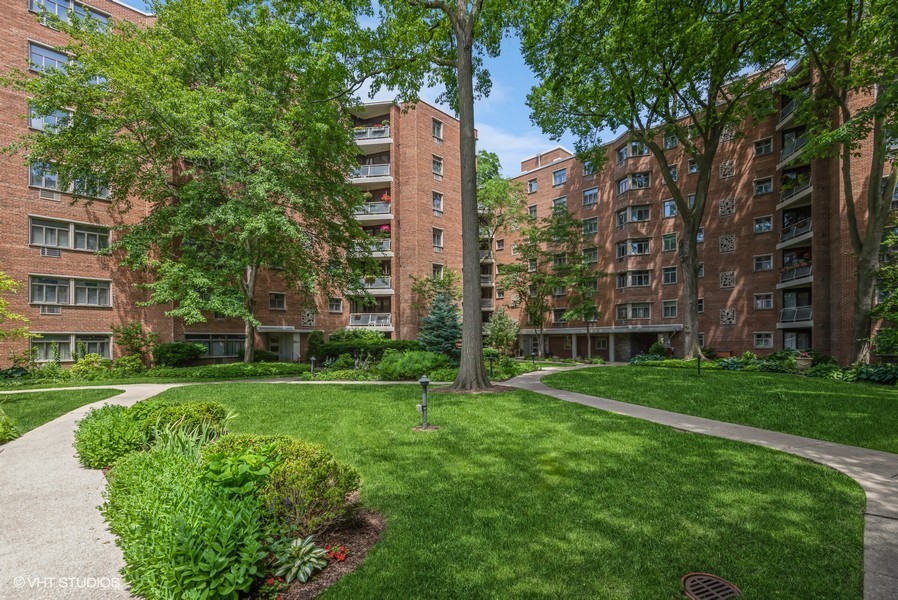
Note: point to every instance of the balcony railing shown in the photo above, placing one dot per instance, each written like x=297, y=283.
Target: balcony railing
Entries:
x=363, y=171
x=485, y=254
x=486, y=303
x=800, y=228
x=788, y=109
x=796, y=314
x=796, y=273
x=370, y=320
x=792, y=148
x=376, y=283
x=372, y=133
x=375, y=245
x=373, y=208
x=795, y=190
x=486, y=278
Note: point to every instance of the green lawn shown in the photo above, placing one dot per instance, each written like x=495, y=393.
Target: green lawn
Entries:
x=848, y=413
x=522, y=496
x=32, y=410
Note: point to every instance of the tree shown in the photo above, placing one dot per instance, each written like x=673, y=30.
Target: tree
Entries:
x=502, y=332
x=440, y=330
x=441, y=42
x=132, y=337
x=686, y=86
x=851, y=55
x=501, y=202
x=221, y=117
x=426, y=289
x=9, y=286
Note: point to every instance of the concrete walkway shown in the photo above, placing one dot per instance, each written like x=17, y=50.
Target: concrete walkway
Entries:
x=876, y=472
x=53, y=541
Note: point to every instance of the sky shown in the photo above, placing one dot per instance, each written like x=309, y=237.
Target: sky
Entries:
x=503, y=119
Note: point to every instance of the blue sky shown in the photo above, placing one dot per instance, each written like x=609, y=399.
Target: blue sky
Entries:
x=502, y=119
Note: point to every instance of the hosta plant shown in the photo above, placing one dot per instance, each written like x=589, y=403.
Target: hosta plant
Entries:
x=299, y=559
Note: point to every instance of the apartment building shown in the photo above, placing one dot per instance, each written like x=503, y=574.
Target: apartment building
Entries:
x=408, y=164
x=777, y=268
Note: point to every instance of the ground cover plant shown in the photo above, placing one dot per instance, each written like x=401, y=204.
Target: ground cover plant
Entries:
x=860, y=415
x=25, y=412
x=520, y=495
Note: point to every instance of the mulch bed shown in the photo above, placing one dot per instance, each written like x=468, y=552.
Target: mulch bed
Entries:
x=359, y=535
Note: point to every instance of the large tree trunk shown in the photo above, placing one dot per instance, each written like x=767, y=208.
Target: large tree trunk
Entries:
x=688, y=255
x=863, y=304
x=471, y=374
x=249, y=330
x=588, y=343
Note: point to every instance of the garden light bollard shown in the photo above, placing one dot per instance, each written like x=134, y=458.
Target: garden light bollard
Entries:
x=312, y=365
x=533, y=358
x=424, y=381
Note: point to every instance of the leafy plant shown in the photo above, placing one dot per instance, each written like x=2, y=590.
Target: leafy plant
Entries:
x=314, y=344
x=90, y=366
x=107, y=434
x=642, y=358
x=298, y=559
x=825, y=371
x=134, y=340
x=176, y=354
x=260, y=355
x=658, y=349
x=208, y=416
x=336, y=552
x=128, y=366
x=731, y=363
x=8, y=429
x=398, y=366
x=240, y=473
x=886, y=341
x=356, y=335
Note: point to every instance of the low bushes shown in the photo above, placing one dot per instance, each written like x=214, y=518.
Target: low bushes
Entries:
x=882, y=374
x=107, y=434
x=176, y=354
x=398, y=366
x=8, y=429
x=230, y=371
x=372, y=348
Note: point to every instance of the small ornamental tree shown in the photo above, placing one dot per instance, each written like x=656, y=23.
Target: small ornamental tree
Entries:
x=440, y=329
x=9, y=286
x=426, y=289
x=502, y=332
x=135, y=341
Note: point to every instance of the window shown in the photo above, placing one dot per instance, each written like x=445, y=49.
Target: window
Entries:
x=277, y=301
x=559, y=204
x=621, y=155
x=692, y=166
x=42, y=177
x=640, y=311
x=593, y=284
x=763, y=225
x=640, y=181
x=514, y=249
x=532, y=290
x=335, y=305
x=700, y=236
x=621, y=249
x=701, y=305
x=49, y=290
x=669, y=242
x=50, y=233
x=531, y=265
x=218, y=345
x=591, y=255
x=727, y=169
x=559, y=177
x=701, y=340
x=639, y=247
x=588, y=169
x=590, y=226
x=591, y=197
x=690, y=200
x=558, y=291
x=437, y=128
x=91, y=238
x=437, y=165
x=638, y=149
x=763, y=301
x=669, y=309
x=640, y=279
x=763, y=147
x=669, y=208
x=763, y=186
x=670, y=141
x=438, y=239
x=500, y=294
x=763, y=340
x=764, y=263
x=621, y=218
x=500, y=244
x=669, y=275
x=43, y=58
x=90, y=189
x=673, y=172
x=52, y=122
x=437, y=204
x=92, y=293
x=623, y=185
x=622, y=281
x=531, y=211
x=623, y=312
x=558, y=315
x=639, y=213
x=63, y=8
x=52, y=346
x=436, y=271
x=559, y=260
x=531, y=186
x=701, y=269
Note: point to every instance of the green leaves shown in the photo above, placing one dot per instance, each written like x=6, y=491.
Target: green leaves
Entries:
x=298, y=559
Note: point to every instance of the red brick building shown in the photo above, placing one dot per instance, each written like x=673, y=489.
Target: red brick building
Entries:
x=408, y=163
x=778, y=271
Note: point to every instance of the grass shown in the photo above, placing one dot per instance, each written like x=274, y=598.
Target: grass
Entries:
x=522, y=496
x=31, y=410
x=863, y=415
x=12, y=387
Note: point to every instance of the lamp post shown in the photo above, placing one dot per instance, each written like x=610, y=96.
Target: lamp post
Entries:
x=424, y=381
x=312, y=365
x=533, y=358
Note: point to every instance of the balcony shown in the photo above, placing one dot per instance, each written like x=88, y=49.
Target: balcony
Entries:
x=371, y=175
x=376, y=286
x=786, y=114
x=486, y=304
x=799, y=316
x=796, y=234
x=373, y=140
x=486, y=256
x=379, y=320
x=375, y=247
x=373, y=212
x=791, y=150
x=486, y=279
x=372, y=133
x=797, y=276
x=794, y=195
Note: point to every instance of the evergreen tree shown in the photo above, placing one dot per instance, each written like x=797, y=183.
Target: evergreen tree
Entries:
x=441, y=329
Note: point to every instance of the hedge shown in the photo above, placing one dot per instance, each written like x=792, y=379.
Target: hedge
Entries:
x=372, y=348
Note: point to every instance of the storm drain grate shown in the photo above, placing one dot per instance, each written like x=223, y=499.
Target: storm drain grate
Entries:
x=703, y=586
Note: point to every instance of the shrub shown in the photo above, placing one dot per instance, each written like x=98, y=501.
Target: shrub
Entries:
x=398, y=366
x=658, y=349
x=344, y=375
x=343, y=362
x=128, y=366
x=708, y=352
x=641, y=358
x=134, y=340
x=230, y=371
x=825, y=371
x=882, y=374
x=315, y=344
x=373, y=349
x=676, y=363
x=356, y=335
x=8, y=430
x=107, y=434
x=13, y=373
x=886, y=341
x=597, y=360
x=777, y=366
x=176, y=354
x=192, y=416
x=260, y=355
x=731, y=364
x=91, y=366
x=182, y=537
x=445, y=374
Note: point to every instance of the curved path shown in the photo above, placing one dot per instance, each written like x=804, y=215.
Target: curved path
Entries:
x=54, y=544
x=876, y=472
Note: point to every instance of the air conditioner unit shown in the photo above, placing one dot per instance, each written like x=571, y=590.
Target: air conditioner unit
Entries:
x=51, y=310
x=49, y=195
x=51, y=252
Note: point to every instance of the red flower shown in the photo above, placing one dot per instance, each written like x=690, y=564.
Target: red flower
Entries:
x=342, y=548
x=270, y=581
x=328, y=547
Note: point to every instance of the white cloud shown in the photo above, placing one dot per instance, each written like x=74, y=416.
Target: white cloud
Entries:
x=512, y=147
